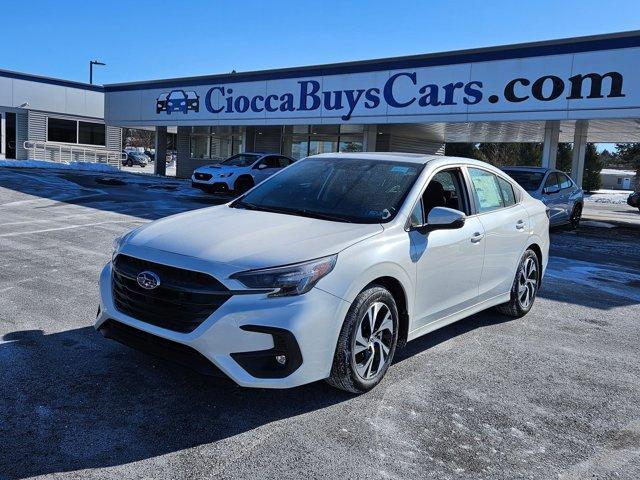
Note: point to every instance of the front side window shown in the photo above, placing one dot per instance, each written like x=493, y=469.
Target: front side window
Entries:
x=486, y=190
x=283, y=162
x=60, y=130
x=271, y=162
x=345, y=190
x=445, y=190
x=91, y=133
x=564, y=181
x=551, y=182
x=240, y=160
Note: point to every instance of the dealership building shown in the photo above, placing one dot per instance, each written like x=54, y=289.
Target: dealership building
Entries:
x=576, y=90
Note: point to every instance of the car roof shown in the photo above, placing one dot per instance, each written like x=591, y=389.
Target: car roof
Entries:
x=528, y=169
x=419, y=158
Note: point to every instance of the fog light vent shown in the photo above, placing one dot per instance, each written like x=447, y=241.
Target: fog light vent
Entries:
x=281, y=359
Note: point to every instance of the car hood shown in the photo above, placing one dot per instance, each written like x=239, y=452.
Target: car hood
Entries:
x=249, y=239
x=219, y=168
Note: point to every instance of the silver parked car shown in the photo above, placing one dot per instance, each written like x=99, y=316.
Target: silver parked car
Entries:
x=562, y=196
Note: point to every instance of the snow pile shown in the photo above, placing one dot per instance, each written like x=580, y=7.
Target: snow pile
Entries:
x=617, y=197
x=616, y=280
x=94, y=167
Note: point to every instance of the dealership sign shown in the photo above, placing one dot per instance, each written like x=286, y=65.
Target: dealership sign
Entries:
x=568, y=85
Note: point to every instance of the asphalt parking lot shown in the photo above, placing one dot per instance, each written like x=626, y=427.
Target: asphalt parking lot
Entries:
x=553, y=395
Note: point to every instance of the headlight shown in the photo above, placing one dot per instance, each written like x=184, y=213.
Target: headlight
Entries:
x=118, y=242
x=288, y=280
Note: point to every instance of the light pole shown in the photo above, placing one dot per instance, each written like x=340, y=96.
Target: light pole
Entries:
x=91, y=64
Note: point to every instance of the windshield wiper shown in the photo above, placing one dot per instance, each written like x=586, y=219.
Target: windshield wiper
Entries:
x=322, y=216
x=258, y=208
x=290, y=211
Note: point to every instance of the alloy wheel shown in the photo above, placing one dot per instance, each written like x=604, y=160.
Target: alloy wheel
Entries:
x=374, y=337
x=527, y=283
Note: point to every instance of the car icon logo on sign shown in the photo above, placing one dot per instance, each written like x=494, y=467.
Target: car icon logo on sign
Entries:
x=148, y=280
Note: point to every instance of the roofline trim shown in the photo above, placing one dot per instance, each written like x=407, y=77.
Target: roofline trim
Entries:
x=50, y=80
x=503, y=52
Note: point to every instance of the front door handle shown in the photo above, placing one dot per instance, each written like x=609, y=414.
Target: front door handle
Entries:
x=520, y=225
x=477, y=237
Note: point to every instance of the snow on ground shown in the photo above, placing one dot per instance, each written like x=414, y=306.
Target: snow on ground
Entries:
x=149, y=169
x=612, y=279
x=87, y=166
x=608, y=196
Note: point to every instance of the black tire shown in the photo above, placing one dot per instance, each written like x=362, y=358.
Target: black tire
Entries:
x=243, y=184
x=576, y=215
x=345, y=369
x=130, y=163
x=516, y=307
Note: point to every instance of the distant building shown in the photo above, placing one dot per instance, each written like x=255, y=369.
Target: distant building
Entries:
x=45, y=118
x=617, y=179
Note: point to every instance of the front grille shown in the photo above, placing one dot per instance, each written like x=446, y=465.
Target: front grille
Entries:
x=183, y=300
x=159, y=347
x=203, y=176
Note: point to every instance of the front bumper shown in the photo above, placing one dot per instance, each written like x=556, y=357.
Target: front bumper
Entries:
x=214, y=187
x=243, y=336
x=214, y=184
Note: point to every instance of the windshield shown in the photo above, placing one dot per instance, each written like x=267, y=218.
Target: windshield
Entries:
x=338, y=189
x=530, y=181
x=240, y=160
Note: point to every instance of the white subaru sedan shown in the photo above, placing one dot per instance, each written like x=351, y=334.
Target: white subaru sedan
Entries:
x=239, y=172
x=326, y=268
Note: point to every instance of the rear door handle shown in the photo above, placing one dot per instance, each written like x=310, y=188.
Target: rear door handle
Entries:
x=477, y=237
x=520, y=225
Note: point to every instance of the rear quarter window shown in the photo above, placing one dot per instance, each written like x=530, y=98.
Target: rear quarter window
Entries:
x=508, y=195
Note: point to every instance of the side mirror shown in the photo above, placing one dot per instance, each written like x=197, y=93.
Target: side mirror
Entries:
x=442, y=218
x=550, y=190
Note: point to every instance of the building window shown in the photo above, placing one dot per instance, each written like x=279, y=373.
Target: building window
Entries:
x=91, y=133
x=619, y=181
x=215, y=143
x=300, y=141
x=59, y=130
x=74, y=131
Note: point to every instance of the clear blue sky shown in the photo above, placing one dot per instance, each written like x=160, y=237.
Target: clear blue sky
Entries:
x=142, y=40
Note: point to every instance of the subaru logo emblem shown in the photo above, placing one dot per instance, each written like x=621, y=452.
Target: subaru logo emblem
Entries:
x=148, y=280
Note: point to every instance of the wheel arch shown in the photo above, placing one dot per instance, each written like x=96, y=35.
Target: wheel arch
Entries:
x=538, y=251
x=244, y=176
x=394, y=286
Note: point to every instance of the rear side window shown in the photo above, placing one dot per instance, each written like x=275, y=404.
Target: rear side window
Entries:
x=486, y=190
x=508, y=196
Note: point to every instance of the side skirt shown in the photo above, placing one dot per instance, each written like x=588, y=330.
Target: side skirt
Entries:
x=454, y=317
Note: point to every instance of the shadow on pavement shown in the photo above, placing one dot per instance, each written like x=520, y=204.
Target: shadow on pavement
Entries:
x=73, y=400
x=140, y=196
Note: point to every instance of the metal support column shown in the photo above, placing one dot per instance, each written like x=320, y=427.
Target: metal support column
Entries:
x=369, y=138
x=3, y=134
x=579, y=150
x=550, y=146
x=160, y=164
